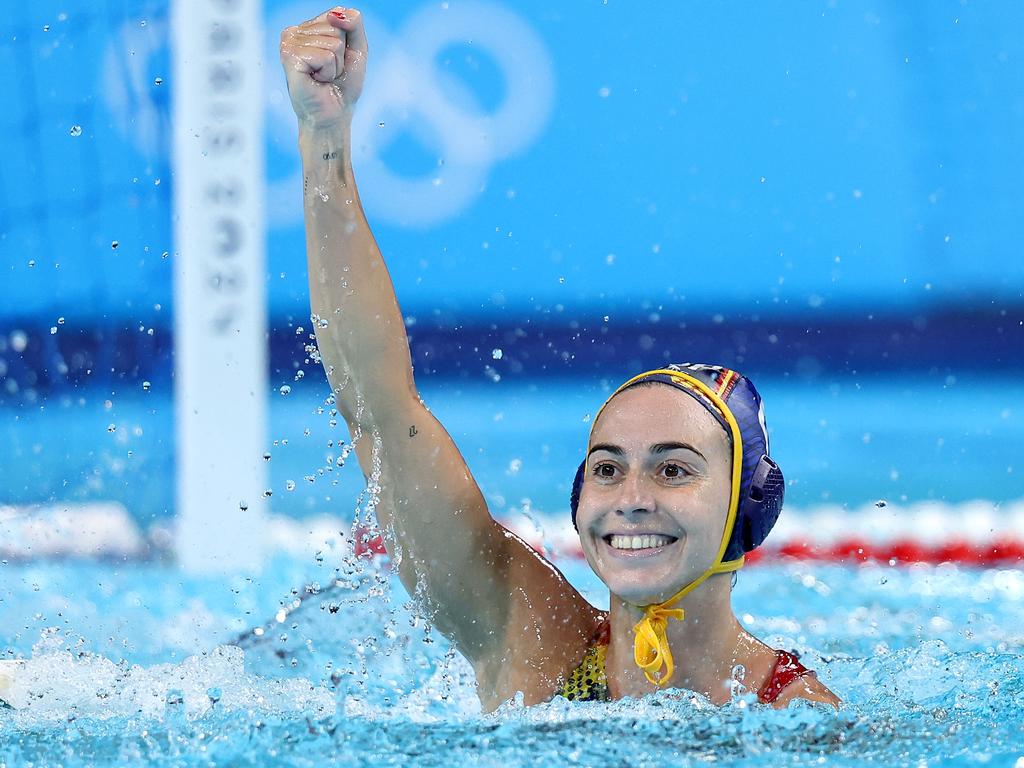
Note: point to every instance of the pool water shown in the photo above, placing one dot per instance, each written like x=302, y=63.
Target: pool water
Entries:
x=133, y=663
x=322, y=658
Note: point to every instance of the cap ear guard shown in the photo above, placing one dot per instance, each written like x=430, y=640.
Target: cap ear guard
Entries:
x=759, y=508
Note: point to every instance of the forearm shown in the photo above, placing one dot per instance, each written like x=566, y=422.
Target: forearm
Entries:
x=359, y=327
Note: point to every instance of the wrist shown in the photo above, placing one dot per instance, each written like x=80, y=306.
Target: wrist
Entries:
x=332, y=132
x=325, y=146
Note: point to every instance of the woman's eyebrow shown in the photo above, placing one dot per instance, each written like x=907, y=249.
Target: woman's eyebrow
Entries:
x=664, y=447
x=607, y=447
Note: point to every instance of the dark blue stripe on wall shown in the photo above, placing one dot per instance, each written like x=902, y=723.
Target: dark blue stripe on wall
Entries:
x=34, y=361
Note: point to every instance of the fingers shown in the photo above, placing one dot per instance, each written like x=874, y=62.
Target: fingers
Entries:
x=320, y=55
x=316, y=28
x=332, y=67
x=350, y=21
x=322, y=45
x=321, y=63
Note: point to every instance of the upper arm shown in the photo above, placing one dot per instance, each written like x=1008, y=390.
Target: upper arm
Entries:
x=474, y=574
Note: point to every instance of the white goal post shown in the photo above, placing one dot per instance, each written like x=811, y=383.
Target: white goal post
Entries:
x=220, y=313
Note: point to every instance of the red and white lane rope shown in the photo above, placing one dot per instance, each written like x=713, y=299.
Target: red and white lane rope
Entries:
x=968, y=533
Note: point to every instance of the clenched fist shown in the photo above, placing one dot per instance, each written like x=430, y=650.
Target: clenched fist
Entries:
x=324, y=62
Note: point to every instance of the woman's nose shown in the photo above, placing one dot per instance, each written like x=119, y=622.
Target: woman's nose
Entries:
x=636, y=497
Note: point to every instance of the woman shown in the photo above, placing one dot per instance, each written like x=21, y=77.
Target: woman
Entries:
x=665, y=501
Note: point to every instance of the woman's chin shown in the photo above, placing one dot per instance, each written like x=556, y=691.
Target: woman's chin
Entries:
x=642, y=590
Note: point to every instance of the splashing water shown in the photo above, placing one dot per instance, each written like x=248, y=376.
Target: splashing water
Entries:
x=348, y=672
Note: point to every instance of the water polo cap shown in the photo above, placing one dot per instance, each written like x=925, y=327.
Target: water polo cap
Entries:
x=755, y=500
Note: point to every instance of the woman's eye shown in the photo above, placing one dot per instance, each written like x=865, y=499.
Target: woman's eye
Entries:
x=604, y=470
x=673, y=471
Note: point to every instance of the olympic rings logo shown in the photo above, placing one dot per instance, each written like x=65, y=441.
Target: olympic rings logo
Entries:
x=406, y=92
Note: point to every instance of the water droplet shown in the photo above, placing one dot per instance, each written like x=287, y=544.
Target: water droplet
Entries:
x=289, y=485
x=146, y=386
x=497, y=354
x=604, y=92
x=881, y=503
x=266, y=456
x=60, y=321
x=268, y=493
x=31, y=263
x=111, y=427
x=76, y=130
x=46, y=27
x=53, y=330
x=285, y=389
x=158, y=81
x=114, y=244
x=243, y=505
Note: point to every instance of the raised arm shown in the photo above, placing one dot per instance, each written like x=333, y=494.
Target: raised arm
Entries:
x=479, y=580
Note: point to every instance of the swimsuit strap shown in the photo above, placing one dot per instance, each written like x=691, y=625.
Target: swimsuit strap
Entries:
x=787, y=669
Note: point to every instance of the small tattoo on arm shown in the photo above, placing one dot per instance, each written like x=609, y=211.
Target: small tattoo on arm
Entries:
x=413, y=431
x=331, y=155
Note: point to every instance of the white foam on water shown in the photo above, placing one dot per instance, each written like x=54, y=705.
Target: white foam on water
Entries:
x=56, y=683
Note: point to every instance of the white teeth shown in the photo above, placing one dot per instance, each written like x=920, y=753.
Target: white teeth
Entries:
x=647, y=541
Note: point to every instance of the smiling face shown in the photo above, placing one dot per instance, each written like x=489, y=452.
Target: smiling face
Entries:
x=655, y=493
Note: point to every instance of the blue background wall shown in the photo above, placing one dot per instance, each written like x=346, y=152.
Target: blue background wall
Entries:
x=774, y=158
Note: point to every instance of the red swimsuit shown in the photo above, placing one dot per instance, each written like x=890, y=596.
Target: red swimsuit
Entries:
x=787, y=669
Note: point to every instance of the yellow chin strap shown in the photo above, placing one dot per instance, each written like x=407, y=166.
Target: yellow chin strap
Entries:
x=651, y=650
